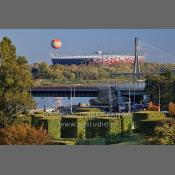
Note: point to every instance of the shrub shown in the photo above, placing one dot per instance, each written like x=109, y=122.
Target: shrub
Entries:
x=23, y=135
x=126, y=124
x=69, y=127
x=147, y=126
x=25, y=119
x=91, y=141
x=51, y=124
x=146, y=115
x=85, y=126
x=81, y=126
x=171, y=109
x=98, y=127
x=86, y=109
x=153, y=107
x=164, y=135
x=39, y=112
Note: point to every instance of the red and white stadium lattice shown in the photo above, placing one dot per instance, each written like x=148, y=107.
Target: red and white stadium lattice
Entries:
x=116, y=59
x=94, y=59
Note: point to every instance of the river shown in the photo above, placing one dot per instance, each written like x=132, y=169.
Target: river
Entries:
x=51, y=102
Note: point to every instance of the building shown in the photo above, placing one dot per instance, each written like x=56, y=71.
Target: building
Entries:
x=98, y=58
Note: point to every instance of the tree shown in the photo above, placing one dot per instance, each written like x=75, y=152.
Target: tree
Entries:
x=166, y=83
x=44, y=70
x=15, y=82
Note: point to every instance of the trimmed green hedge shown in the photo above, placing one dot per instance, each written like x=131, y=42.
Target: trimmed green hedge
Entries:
x=51, y=124
x=126, y=125
x=110, y=128
x=146, y=115
x=86, y=109
x=26, y=119
x=53, y=127
x=147, y=126
x=91, y=141
x=97, y=127
x=69, y=127
x=81, y=126
x=115, y=130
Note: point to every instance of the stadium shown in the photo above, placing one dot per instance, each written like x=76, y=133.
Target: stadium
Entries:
x=97, y=58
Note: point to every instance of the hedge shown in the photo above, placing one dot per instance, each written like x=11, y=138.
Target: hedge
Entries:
x=68, y=127
x=86, y=109
x=26, y=119
x=110, y=128
x=53, y=127
x=146, y=115
x=126, y=125
x=115, y=130
x=81, y=126
x=146, y=127
x=91, y=141
x=51, y=124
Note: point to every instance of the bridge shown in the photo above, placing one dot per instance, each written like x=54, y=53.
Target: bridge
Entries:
x=85, y=91
x=65, y=91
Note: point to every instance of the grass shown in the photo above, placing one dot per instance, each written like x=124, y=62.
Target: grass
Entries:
x=134, y=139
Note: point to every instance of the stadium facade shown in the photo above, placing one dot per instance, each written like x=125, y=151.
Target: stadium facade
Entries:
x=98, y=58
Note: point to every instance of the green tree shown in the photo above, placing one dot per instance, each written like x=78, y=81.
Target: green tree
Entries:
x=44, y=70
x=15, y=82
x=166, y=83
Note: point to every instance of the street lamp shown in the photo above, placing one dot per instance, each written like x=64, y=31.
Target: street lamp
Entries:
x=159, y=95
x=109, y=96
x=129, y=96
x=70, y=99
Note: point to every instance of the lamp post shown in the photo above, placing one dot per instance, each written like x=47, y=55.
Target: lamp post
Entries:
x=70, y=99
x=129, y=97
x=159, y=95
x=109, y=96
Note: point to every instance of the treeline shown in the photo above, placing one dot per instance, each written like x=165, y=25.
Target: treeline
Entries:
x=90, y=72
x=76, y=72
x=161, y=87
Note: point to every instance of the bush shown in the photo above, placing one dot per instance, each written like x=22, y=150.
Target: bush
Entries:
x=164, y=135
x=153, y=107
x=23, y=135
x=69, y=127
x=147, y=126
x=98, y=127
x=171, y=109
x=85, y=126
x=146, y=115
x=126, y=125
x=86, y=109
x=51, y=124
x=91, y=141
x=25, y=119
